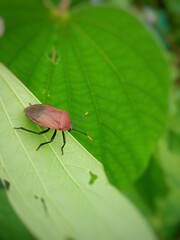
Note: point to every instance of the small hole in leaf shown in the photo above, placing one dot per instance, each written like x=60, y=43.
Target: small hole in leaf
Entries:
x=93, y=177
x=4, y=184
x=43, y=203
x=53, y=56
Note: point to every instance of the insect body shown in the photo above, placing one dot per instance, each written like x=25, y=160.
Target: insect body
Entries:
x=50, y=117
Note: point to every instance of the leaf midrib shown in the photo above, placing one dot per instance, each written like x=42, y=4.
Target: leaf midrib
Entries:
x=108, y=60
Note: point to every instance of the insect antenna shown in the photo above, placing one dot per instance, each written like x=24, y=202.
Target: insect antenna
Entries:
x=76, y=123
x=81, y=118
x=82, y=133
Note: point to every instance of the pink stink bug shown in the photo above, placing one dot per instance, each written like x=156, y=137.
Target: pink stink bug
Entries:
x=50, y=117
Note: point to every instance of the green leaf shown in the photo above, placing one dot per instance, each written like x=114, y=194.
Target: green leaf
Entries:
x=153, y=176
x=169, y=207
x=51, y=193
x=11, y=226
x=174, y=141
x=97, y=59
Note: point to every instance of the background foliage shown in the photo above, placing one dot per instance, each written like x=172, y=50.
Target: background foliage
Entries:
x=112, y=67
x=88, y=62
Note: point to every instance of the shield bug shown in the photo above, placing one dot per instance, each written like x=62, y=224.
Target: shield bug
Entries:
x=50, y=118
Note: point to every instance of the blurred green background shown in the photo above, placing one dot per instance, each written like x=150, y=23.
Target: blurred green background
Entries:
x=157, y=191
x=162, y=177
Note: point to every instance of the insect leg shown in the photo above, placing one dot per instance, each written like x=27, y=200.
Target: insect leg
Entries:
x=64, y=142
x=52, y=138
x=39, y=133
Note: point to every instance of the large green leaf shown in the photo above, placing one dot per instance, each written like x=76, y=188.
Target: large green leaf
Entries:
x=58, y=197
x=101, y=60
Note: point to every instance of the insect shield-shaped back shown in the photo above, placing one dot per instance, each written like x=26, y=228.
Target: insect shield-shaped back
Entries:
x=48, y=116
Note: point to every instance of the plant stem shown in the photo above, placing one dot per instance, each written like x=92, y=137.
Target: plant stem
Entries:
x=64, y=5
